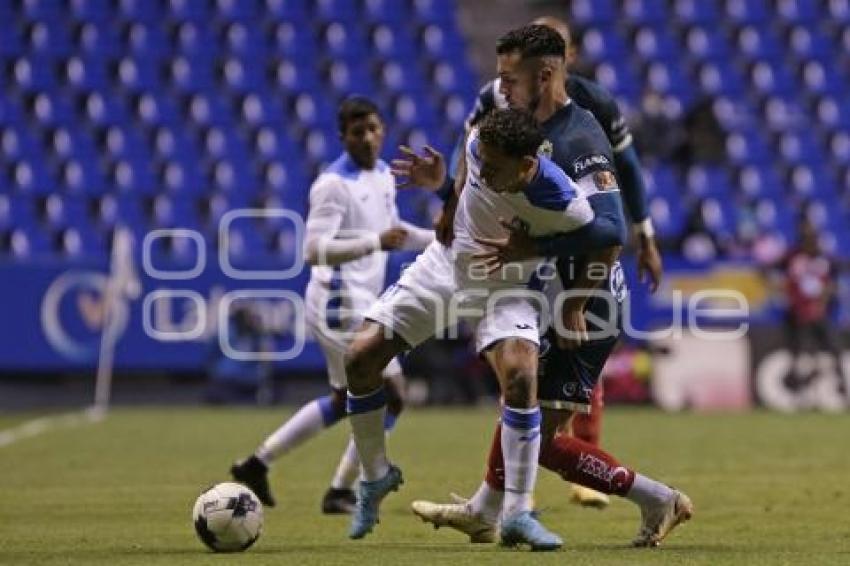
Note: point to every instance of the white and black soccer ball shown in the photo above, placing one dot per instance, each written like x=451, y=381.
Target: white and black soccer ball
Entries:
x=228, y=517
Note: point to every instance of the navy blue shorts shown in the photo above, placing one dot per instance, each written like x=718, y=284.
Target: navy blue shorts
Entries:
x=566, y=378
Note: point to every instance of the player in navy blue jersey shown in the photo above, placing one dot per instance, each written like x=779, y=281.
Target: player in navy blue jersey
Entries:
x=603, y=106
x=594, y=98
x=531, y=70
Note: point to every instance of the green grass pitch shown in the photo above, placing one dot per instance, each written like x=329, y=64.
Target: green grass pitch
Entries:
x=768, y=489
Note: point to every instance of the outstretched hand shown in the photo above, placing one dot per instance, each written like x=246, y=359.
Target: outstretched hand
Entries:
x=518, y=246
x=427, y=170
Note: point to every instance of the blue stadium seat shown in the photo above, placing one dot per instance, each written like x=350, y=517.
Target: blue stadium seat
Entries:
x=197, y=11
x=48, y=37
x=433, y=11
x=801, y=11
x=291, y=40
x=140, y=10
x=695, y=11
x=389, y=12
x=592, y=12
x=598, y=44
x=34, y=73
x=99, y=11
x=758, y=43
x=238, y=10
x=289, y=10
x=746, y=11
x=645, y=11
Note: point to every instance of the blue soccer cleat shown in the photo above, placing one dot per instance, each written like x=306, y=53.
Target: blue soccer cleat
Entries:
x=523, y=528
x=369, y=497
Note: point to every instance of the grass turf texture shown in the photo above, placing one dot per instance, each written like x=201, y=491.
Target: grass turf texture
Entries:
x=768, y=489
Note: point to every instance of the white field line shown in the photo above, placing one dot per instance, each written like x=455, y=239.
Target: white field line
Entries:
x=35, y=427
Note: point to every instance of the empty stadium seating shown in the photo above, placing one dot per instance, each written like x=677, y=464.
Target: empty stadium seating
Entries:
x=158, y=114
x=777, y=71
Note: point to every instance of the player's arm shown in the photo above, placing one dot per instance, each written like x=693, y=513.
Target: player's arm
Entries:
x=325, y=243
x=601, y=222
x=595, y=272
x=417, y=238
x=606, y=228
x=630, y=175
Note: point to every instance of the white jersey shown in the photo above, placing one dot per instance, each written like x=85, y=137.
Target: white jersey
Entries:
x=551, y=203
x=349, y=208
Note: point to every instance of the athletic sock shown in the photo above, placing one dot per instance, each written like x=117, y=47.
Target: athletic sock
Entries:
x=303, y=425
x=585, y=464
x=348, y=468
x=367, y=414
x=588, y=426
x=349, y=464
x=647, y=491
x=487, y=503
x=521, y=449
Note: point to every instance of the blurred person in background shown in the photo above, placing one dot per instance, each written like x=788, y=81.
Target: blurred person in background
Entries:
x=234, y=380
x=810, y=289
x=351, y=225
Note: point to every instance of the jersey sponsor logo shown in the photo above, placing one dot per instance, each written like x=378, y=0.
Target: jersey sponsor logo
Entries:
x=589, y=163
x=605, y=180
x=615, y=477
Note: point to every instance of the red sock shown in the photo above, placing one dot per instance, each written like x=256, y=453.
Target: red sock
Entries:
x=495, y=476
x=580, y=462
x=588, y=427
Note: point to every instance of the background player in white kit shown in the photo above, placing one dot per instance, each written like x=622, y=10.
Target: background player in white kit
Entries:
x=352, y=222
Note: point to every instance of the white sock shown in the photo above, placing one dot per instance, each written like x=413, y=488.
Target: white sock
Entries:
x=303, y=425
x=348, y=468
x=367, y=413
x=521, y=449
x=487, y=503
x=646, y=491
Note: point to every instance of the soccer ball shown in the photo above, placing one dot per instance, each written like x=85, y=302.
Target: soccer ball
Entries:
x=228, y=517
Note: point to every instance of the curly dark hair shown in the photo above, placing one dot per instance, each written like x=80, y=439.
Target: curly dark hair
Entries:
x=532, y=41
x=513, y=132
x=354, y=108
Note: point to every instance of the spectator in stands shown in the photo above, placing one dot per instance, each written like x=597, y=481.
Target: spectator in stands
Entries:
x=810, y=286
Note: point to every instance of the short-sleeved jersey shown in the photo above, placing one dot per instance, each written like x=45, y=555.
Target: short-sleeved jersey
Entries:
x=364, y=201
x=550, y=204
x=580, y=147
x=584, y=92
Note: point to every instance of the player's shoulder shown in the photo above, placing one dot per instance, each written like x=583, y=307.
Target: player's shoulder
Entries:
x=342, y=168
x=334, y=180
x=589, y=94
x=581, y=132
x=551, y=188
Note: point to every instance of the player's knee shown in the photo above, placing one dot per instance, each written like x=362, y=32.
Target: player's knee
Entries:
x=358, y=367
x=519, y=382
x=395, y=399
x=338, y=399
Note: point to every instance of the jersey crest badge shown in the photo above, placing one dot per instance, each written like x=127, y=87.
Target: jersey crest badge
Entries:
x=545, y=149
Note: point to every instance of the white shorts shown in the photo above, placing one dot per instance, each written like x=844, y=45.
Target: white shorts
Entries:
x=334, y=343
x=426, y=302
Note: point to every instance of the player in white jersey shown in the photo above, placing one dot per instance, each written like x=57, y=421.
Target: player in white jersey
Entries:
x=505, y=179
x=352, y=223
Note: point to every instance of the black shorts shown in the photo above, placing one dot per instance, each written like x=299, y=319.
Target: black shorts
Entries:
x=566, y=378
